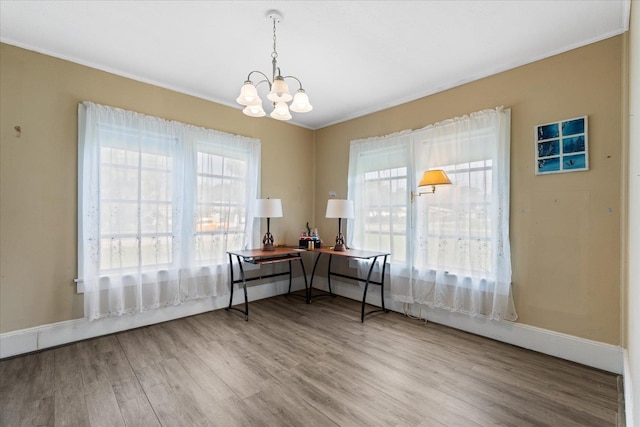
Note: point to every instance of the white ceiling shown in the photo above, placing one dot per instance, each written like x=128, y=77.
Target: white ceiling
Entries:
x=353, y=57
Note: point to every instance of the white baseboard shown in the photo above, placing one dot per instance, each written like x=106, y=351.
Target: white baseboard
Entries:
x=55, y=334
x=628, y=390
x=586, y=352
x=591, y=353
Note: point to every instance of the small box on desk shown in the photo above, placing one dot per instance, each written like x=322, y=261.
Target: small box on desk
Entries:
x=309, y=242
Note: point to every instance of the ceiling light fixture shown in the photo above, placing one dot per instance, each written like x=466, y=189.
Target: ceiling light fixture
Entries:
x=279, y=94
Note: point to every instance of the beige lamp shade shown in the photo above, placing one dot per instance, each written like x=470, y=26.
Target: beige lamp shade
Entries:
x=434, y=177
x=339, y=208
x=268, y=208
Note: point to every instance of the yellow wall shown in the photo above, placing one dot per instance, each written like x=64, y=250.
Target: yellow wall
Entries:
x=38, y=173
x=565, y=228
x=565, y=241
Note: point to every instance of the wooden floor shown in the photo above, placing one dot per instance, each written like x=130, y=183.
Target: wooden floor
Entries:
x=293, y=364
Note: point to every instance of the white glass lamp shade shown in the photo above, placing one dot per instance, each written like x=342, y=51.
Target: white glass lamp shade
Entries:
x=339, y=208
x=279, y=91
x=254, y=110
x=301, y=103
x=281, y=112
x=434, y=177
x=248, y=95
x=268, y=208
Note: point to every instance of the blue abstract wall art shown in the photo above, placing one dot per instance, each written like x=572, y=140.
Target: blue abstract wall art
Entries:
x=562, y=146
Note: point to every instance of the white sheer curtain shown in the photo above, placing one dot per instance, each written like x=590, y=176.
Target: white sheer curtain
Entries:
x=454, y=252
x=160, y=202
x=461, y=252
x=377, y=183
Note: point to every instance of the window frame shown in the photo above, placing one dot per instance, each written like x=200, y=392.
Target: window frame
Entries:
x=247, y=150
x=416, y=167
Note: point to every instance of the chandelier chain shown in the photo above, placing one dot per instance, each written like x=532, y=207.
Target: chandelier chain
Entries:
x=274, y=54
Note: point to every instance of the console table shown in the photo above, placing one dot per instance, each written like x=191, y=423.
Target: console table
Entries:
x=358, y=254
x=260, y=257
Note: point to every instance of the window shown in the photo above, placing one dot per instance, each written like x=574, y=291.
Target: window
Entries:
x=449, y=249
x=221, y=206
x=385, y=204
x=160, y=203
x=135, y=199
x=469, y=227
x=378, y=183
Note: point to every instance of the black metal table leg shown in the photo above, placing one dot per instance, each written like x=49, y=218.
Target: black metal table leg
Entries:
x=289, y=291
x=384, y=266
x=232, y=281
x=244, y=286
x=329, y=274
x=313, y=274
x=304, y=276
x=306, y=287
x=366, y=286
x=380, y=283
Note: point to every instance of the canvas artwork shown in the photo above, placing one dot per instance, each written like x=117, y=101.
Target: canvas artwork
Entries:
x=562, y=146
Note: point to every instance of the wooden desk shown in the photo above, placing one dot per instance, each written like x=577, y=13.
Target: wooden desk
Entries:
x=353, y=253
x=260, y=257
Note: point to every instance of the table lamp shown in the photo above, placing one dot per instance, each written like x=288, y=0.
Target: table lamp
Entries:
x=339, y=208
x=268, y=208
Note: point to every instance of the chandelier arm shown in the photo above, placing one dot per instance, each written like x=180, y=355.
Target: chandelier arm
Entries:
x=296, y=79
x=258, y=72
x=263, y=81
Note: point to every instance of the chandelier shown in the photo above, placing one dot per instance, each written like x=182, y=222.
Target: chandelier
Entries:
x=279, y=94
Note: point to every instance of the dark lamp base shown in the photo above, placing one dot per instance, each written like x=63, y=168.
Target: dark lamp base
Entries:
x=339, y=246
x=267, y=242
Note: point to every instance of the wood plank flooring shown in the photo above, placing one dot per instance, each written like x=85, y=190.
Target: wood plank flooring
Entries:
x=293, y=364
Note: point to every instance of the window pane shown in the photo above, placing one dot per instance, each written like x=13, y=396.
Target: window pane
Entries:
x=385, y=201
x=155, y=218
x=155, y=251
x=210, y=188
x=209, y=246
x=155, y=161
x=399, y=248
x=118, y=253
x=155, y=184
x=233, y=167
x=118, y=182
x=221, y=206
x=118, y=218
